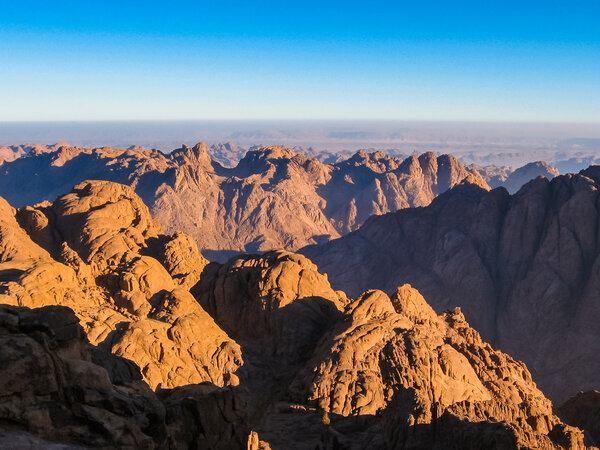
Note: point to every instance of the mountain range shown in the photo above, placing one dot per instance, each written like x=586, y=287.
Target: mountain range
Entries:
x=114, y=334
x=131, y=318
x=272, y=198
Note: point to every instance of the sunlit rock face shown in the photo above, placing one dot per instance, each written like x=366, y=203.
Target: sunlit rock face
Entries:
x=100, y=253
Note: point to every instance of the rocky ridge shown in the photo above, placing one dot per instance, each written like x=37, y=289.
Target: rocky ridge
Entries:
x=273, y=198
x=513, y=179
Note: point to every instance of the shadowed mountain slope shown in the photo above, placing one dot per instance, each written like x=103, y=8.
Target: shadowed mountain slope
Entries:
x=523, y=268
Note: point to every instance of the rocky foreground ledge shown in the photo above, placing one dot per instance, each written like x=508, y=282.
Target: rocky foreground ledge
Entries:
x=116, y=335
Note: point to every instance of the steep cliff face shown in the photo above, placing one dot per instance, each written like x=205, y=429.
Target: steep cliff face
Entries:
x=523, y=268
x=273, y=198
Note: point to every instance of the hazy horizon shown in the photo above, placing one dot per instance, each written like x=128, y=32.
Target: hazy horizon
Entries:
x=479, y=142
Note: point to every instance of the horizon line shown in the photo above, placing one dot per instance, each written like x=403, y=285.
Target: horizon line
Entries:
x=461, y=121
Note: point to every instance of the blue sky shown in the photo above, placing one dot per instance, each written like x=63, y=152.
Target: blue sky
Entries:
x=452, y=60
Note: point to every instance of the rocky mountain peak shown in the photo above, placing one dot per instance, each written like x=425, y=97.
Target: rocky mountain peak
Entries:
x=273, y=198
x=196, y=156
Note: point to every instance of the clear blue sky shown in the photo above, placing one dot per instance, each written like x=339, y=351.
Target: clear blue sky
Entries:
x=450, y=60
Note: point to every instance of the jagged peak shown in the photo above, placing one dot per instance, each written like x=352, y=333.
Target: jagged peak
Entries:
x=262, y=159
x=428, y=156
x=196, y=150
x=196, y=154
x=269, y=153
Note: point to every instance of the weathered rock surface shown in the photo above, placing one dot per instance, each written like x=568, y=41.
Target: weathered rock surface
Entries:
x=96, y=260
x=276, y=303
x=385, y=373
x=260, y=353
x=523, y=268
x=424, y=372
x=272, y=198
x=52, y=388
x=57, y=388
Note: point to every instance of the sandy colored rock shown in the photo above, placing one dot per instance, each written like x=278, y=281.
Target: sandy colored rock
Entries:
x=127, y=301
x=53, y=389
x=61, y=392
x=182, y=259
x=398, y=357
x=318, y=369
x=276, y=302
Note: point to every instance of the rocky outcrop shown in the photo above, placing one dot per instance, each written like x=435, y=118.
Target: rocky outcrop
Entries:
x=396, y=356
x=272, y=198
x=10, y=153
x=523, y=268
x=513, y=179
x=276, y=303
x=179, y=254
x=260, y=353
x=528, y=172
x=98, y=259
x=345, y=365
x=56, y=386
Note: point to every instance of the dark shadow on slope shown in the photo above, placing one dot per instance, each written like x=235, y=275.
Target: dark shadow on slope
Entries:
x=8, y=275
x=220, y=256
